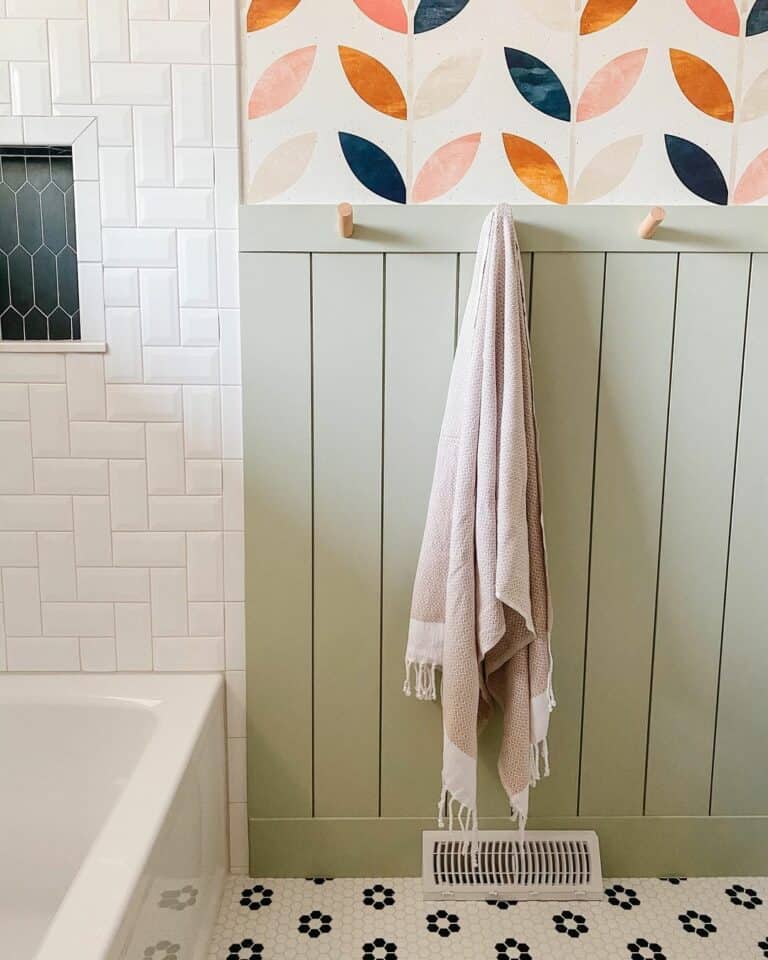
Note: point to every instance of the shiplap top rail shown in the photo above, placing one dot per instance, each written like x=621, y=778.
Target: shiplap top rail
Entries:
x=439, y=229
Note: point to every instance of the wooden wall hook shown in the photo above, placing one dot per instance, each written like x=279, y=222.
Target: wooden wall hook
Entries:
x=650, y=225
x=346, y=219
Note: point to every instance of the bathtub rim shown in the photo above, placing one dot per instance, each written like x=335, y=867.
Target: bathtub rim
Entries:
x=100, y=892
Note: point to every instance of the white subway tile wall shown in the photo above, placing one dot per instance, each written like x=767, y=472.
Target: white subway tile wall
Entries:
x=121, y=495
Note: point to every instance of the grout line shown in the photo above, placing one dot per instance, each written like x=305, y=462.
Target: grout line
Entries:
x=661, y=534
x=730, y=534
x=591, y=536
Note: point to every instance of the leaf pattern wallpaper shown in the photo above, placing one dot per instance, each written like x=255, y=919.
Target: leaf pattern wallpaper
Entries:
x=528, y=101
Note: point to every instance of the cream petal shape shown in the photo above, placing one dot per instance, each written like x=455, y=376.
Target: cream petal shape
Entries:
x=557, y=14
x=445, y=84
x=281, y=82
x=755, y=102
x=281, y=168
x=607, y=169
x=611, y=84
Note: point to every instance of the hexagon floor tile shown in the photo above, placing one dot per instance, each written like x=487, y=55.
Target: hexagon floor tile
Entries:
x=386, y=919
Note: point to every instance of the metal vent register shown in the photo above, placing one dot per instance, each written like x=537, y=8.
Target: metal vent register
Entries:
x=546, y=865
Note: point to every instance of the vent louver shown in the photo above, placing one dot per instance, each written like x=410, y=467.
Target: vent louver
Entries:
x=546, y=865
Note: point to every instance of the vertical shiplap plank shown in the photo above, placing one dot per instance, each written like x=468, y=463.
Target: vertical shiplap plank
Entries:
x=419, y=324
x=629, y=466
x=740, y=780
x=347, y=372
x=701, y=439
x=566, y=314
x=278, y=510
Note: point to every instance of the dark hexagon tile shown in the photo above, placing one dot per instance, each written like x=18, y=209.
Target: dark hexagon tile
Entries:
x=44, y=275
x=14, y=171
x=61, y=171
x=5, y=292
x=69, y=206
x=54, y=218
x=9, y=235
x=35, y=325
x=39, y=171
x=30, y=218
x=60, y=326
x=20, y=269
x=66, y=268
x=12, y=325
x=75, y=326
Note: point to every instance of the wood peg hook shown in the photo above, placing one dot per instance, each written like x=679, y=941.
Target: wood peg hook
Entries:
x=346, y=219
x=650, y=225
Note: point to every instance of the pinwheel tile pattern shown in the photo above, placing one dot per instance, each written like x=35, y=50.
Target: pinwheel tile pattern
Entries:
x=531, y=101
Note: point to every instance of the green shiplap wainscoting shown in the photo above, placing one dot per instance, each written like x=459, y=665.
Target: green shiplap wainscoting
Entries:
x=651, y=397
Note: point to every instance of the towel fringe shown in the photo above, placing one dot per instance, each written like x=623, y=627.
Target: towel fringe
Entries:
x=424, y=680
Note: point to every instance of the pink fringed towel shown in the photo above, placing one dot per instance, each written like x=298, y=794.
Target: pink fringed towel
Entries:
x=480, y=609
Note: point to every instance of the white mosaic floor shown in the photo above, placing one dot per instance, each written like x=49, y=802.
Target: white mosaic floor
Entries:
x=386, y=919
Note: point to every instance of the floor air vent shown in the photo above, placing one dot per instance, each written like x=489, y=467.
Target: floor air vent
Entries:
x=547, y=865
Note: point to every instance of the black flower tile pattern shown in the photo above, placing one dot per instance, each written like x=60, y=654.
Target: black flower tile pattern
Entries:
x=315, y=923
x=443, y=923
x=502, y=904
x=511, y=949
x=38, y=247
x=256, y=897
x=675, y=881
x=379, y=949
x=741, y=896
x=569, y=923
x=690, y=920
x=641, y=949
x=318, y=881
x=378, y=896
x=620, y=896
x=247, y=949
x=698, y=923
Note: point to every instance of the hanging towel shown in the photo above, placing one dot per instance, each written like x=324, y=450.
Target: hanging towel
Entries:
x=480, y=609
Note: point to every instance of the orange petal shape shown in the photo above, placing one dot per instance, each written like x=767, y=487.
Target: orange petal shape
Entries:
x=445, y=168
x=387, y=13
x=280, y=82
x=373, y=82
x=263, y=13
x=754, y=181
x=599, y=14
x=722, y=15
x=702, y=85
x=611, y=84
x=537, y=170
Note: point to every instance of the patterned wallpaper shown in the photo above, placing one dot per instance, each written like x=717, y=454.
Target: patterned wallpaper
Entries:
x=531, y=101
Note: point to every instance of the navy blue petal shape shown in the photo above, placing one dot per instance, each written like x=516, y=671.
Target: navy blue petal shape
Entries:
x=696, y=169
x=374, y=168
x=757, y=21
x=538, y=83
x=434, y=13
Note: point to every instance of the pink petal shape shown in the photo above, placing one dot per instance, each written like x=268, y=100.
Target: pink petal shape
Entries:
x=281, y=82
x=445, y=168
x=387, y=13
x=722, y=15
x=611, y=84
x=754, y=181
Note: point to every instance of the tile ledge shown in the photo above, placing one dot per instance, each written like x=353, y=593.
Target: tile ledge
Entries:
x=52, y=346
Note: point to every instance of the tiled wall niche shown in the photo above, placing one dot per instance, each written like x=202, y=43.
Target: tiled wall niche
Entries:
x=121, y=509
x=38, y=245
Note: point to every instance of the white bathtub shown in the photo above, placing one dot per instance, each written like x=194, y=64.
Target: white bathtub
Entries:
x=112, y=815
